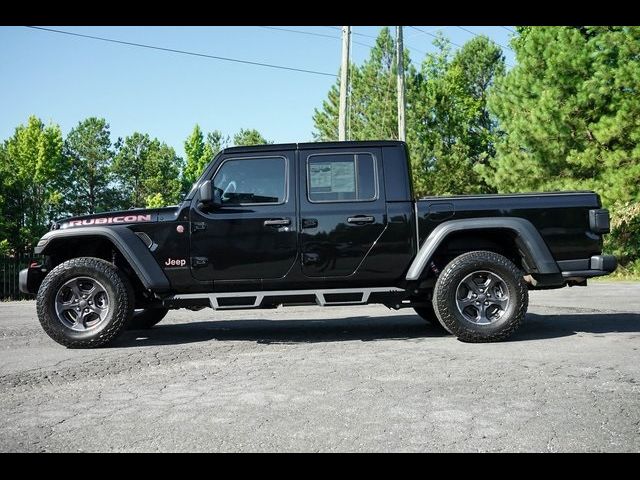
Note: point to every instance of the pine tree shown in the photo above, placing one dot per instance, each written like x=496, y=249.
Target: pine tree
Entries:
x=569, y=111
x=249, y=137
x=90, y=154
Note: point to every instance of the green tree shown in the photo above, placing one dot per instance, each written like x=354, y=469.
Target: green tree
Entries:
x=90, y=154
x=372, y=112
x=200, y=152
x=450, y=131
x=249, y=137
x=129, y=168
x=569, y=112
x=162, y=186
x=214, y=143
x=146, y=168
x=194, y=148
x=33, y=170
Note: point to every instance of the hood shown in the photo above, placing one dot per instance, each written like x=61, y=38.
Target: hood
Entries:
x=122, y=217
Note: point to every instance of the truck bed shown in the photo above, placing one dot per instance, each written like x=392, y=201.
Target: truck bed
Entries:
x=562, y=218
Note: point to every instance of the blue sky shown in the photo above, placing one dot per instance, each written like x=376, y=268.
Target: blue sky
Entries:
x=65, y=79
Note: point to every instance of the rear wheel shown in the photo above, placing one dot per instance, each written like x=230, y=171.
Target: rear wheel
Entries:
x=146, y=318
x=481, y=297
x=429, y=315
x=84, y=302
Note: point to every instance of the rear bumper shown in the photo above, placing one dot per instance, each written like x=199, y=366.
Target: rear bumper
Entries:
x=597, y=266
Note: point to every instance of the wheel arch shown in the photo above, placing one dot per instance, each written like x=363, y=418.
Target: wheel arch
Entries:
x=72, y=243
x=522, y=241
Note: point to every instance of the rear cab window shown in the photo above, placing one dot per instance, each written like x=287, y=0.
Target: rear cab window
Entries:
x=342, y=177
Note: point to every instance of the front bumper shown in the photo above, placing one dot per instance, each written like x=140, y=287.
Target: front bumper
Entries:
x=29, y=279
x=598, y=266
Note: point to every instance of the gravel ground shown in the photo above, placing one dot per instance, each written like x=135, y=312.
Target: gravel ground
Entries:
x=331, y=379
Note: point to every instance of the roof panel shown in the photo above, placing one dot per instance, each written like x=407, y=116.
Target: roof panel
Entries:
x=311, y=145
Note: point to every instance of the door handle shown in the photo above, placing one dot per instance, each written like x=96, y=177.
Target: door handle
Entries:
x=278, y=222
x=361, y=219
x=309, y=222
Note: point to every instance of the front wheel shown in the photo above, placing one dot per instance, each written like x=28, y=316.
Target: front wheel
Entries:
x=146, y=318
x=84, y=302
x=481, y=297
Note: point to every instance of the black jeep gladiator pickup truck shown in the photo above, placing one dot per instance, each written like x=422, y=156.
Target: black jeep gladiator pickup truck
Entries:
x=316, y=223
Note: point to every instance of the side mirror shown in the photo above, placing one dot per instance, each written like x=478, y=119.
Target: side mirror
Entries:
x=210, y=197
x=205, y=192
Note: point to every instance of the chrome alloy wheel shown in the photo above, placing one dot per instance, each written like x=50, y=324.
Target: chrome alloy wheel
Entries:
x=482, y=297
x=82, y=303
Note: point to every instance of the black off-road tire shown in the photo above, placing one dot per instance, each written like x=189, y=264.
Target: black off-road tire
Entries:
x=445, y=292
x=429, y=315
x=120, y=297
x=146, y=318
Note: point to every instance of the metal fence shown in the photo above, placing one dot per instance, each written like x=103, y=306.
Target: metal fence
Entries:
x=9, y=269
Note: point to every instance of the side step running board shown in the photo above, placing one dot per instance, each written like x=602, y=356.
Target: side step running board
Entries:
x=238, y=300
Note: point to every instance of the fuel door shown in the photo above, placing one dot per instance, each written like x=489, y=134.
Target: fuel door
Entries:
x=440, y=211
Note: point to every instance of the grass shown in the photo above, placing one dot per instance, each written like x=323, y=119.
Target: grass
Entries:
x=629, y=273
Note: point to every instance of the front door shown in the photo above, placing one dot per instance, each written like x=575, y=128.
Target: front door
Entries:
x=342, y=209
x=253, y=235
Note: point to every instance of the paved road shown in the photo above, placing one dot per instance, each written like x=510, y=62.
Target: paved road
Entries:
x=342, y=379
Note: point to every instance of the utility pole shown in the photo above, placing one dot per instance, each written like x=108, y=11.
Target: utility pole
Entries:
x=344, y=83
x=402, y=130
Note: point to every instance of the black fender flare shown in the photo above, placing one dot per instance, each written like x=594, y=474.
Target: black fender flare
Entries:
x=125, y=241
x=528, y=240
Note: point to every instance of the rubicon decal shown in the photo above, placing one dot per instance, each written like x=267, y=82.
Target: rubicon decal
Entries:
x=177, y=262
x=107, y=220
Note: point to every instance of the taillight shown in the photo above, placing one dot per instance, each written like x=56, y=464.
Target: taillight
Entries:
x=599, y=220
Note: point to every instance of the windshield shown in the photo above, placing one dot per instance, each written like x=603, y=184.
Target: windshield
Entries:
x=192, y=191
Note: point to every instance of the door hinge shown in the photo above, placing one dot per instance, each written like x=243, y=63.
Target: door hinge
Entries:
x=198, y=262
x=195, y=226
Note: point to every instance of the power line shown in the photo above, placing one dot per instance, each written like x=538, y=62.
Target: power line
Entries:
x=405, y=44
x=452, y=43
x=314, y=34
x=434, y=36
x=508, y=29
x=184, y=52
x=375, y=38
x=478, y=35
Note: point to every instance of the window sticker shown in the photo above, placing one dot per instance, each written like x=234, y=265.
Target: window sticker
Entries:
x=343, y=177
x=334, y=177
x=321, y=176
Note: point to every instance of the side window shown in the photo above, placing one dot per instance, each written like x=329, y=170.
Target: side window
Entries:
x=252, y=180
x=341, y=177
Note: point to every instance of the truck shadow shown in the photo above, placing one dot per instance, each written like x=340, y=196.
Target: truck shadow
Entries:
x=274, y=331
x=540, y=327
x=364, y=328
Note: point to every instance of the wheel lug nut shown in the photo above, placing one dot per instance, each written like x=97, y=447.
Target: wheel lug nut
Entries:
x=486, y=303
x=474, y=295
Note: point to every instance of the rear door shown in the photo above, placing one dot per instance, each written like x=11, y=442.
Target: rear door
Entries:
x=342, y=209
